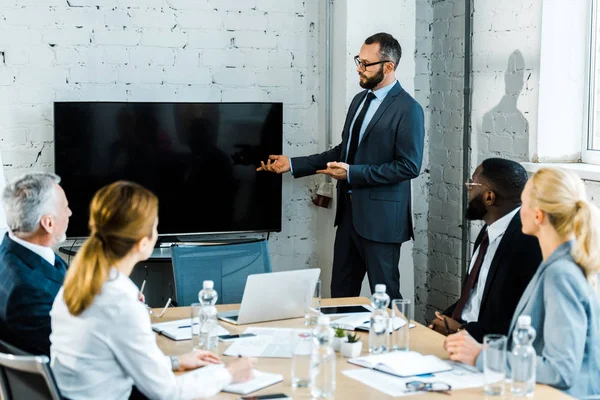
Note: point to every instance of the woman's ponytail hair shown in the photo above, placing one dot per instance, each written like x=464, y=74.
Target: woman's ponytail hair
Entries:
x=561, y=195
x=121, y=214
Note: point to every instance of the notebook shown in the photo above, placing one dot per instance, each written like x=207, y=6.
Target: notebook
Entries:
x=361, y=322
x=261, y=380
x=180, y=329
x=403, y=363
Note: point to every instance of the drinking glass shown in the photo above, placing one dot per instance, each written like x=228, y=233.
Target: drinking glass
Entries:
x=494, y=364
x=301, y=351
x=197, y=340
x=402, y=313
x=311, y=315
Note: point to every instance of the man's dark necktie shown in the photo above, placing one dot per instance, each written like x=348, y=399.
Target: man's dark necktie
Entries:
x=472, y=278
x=356, y=129
x=60, y=264
x=355, y=136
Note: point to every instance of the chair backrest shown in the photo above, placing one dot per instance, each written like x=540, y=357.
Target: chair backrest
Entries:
x=26, y=376
x=228, y=265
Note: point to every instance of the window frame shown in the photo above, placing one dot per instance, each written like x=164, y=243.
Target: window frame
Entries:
x=592, y=78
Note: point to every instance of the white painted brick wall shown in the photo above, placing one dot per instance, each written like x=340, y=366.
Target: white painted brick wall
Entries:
x=440, y=32
x=165, y=50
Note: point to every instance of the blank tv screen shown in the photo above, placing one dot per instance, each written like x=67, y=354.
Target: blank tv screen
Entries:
x=200, y=159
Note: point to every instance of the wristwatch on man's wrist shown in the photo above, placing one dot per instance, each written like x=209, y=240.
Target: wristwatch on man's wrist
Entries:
x=174, y=363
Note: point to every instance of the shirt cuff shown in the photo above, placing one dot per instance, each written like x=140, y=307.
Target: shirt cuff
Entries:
x=222, y=376
x=167, y=361
x=291, y=167
x=348, y=173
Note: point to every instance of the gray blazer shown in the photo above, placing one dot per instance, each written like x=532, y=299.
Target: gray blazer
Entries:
x=387, y=158
x=565, y=313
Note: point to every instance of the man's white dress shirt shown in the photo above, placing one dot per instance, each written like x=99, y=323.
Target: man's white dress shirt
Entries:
x=101, y=353
x=45, y=252
x=495, y=232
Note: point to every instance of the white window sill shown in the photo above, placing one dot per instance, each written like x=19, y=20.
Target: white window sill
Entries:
x=587, y=172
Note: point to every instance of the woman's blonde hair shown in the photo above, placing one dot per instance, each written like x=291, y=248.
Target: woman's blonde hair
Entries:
x=121, y=214
x=561, y=195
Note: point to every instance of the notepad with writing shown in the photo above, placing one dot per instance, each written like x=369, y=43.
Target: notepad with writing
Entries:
x=260, y=381
x=403, y=363
x=180, y=329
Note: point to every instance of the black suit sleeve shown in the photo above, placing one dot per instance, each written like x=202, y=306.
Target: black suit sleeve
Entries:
x=522, y=264
x=309, y=165
x=409, y=141
x=28, y=315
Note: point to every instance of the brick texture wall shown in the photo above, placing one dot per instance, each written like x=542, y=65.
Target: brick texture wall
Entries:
x=164, y=50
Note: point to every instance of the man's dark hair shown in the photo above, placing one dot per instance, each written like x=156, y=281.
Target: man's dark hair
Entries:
x=506, y=177
x=389, y=48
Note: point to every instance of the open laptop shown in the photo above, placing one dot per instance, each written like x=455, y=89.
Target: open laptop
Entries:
x=274, y=295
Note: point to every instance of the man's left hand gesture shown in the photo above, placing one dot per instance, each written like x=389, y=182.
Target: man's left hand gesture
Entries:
x=337, y=170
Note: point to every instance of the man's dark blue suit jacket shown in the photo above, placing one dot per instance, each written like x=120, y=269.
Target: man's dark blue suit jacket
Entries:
x=28, y=286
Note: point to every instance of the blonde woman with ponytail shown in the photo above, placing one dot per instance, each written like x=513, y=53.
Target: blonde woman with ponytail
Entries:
x=564, y=309
x=102, y=342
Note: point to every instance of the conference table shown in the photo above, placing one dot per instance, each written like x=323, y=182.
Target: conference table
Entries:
x=422, y=340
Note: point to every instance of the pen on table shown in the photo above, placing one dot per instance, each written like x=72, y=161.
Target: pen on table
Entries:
x=447, y=327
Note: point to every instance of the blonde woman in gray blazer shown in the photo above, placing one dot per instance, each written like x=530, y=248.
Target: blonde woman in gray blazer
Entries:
x=564, y=309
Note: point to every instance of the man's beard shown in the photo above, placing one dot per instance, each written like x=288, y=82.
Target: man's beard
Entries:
x=476, y=209
x=373, y=81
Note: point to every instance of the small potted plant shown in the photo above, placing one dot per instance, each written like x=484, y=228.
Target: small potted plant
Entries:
x=339, y=338
x=352, y=347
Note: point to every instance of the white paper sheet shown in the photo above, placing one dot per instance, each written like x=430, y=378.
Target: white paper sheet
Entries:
x=458, y=378
x=180, y=329
x=260, y=381
x=268, y=343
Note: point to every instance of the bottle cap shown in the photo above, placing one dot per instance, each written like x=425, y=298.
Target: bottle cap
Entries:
x=380, y=288
x=208, y=284
x=524, y=320
x=323, y=320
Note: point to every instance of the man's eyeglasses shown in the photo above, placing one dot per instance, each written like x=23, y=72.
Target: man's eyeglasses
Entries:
x=419, y=386
x=470, y=184
x=363, y=67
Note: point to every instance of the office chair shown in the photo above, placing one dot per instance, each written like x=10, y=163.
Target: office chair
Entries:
x=228, y=265
x=25, y=376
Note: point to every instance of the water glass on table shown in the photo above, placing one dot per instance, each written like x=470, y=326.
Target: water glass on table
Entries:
x=402, y=313
x=494, y=364
x=311, y=315
x=302, y=343
x=197, y=339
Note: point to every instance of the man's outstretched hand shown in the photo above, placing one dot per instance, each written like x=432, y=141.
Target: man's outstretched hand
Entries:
x=337, y=170
x=278, y=164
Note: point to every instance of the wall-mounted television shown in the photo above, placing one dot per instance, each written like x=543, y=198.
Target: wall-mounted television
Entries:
x=200, y=159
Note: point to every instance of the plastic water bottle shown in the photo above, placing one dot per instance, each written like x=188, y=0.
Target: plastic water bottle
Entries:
x=322, y=360
x=208, y=319
x=379, y=338
x=523, y=358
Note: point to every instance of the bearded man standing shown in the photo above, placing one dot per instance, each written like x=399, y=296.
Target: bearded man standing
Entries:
x=380, y=153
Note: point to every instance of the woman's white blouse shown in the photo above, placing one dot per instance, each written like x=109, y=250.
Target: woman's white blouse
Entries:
x=101, y=353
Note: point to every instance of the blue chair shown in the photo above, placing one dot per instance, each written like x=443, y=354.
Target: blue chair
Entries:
x=228, y=265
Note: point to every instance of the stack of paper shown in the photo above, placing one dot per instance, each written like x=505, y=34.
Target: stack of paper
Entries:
x=268, y=343
x=180, y=329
